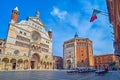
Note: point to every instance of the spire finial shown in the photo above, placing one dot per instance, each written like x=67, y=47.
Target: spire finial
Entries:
x=16, y=8
x=14, y=16
x=76, y=35
x=37, y=14
x=50, y=30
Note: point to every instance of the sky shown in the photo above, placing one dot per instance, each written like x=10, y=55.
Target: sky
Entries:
x=65, y=18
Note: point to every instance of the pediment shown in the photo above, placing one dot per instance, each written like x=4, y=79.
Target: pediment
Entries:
x=36, y=20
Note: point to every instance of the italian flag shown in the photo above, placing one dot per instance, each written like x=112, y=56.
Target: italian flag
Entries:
x=95, y=12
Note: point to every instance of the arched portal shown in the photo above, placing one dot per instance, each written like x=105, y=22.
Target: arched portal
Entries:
x=20, y=63
x=13, y=61
x=5, y=61
x=34, y=63
x=69, y=64
x=51, y=65
x=26, y=64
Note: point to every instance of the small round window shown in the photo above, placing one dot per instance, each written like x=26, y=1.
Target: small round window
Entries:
x=35, y=36
x=16, y=52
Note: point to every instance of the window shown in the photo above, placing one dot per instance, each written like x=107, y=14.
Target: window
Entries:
x=16, y=52
x=69, y=56
x=35, y=36
x=15, y=13
x=81, y=50
x=0, y=51
x=35, y=26
x=82, y=61
x=20, y=32
x=1, y=43
x=47, y=42
x=70, y=45
x=23, y=38
x=24, y=33
x=32, y=24
x=82, y=54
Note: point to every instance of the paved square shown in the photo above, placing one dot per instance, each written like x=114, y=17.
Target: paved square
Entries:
x=57, y=75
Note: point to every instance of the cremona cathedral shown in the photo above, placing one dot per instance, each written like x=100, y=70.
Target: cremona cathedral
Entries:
x=27, y=46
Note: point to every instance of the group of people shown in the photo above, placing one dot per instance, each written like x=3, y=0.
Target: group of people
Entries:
x=101, y=71
x=81, y=70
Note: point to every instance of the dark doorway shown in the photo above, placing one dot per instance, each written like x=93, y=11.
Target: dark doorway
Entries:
x=14, y=66
x=32, y=64
x=69, y=64
x=35, y=61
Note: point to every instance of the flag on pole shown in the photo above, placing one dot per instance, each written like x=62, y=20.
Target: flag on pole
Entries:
x=94, y=15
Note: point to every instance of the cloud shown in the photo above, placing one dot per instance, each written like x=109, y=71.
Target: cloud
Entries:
x=58, y=13
x=73, y=19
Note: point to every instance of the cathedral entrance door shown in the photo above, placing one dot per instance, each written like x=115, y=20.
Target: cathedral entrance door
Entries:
x=14, y=66
x=13, y=62
x=69, y=64
x=32, y=64
x=35, y=61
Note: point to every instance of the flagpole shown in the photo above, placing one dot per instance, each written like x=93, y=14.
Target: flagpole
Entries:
x=104, y=14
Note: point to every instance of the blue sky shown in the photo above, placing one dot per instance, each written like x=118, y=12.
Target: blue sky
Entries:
x=65, y=18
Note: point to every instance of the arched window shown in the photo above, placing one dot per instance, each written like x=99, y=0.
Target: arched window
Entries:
x=33, y=47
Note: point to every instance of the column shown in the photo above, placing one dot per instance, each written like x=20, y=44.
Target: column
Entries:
x=16, y=65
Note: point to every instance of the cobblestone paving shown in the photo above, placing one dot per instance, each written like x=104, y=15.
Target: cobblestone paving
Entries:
x=57, y=75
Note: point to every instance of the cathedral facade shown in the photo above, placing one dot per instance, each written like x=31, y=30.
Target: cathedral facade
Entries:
x=28, y=45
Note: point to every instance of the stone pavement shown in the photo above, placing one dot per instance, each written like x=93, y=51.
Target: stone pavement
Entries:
x=56, y=75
